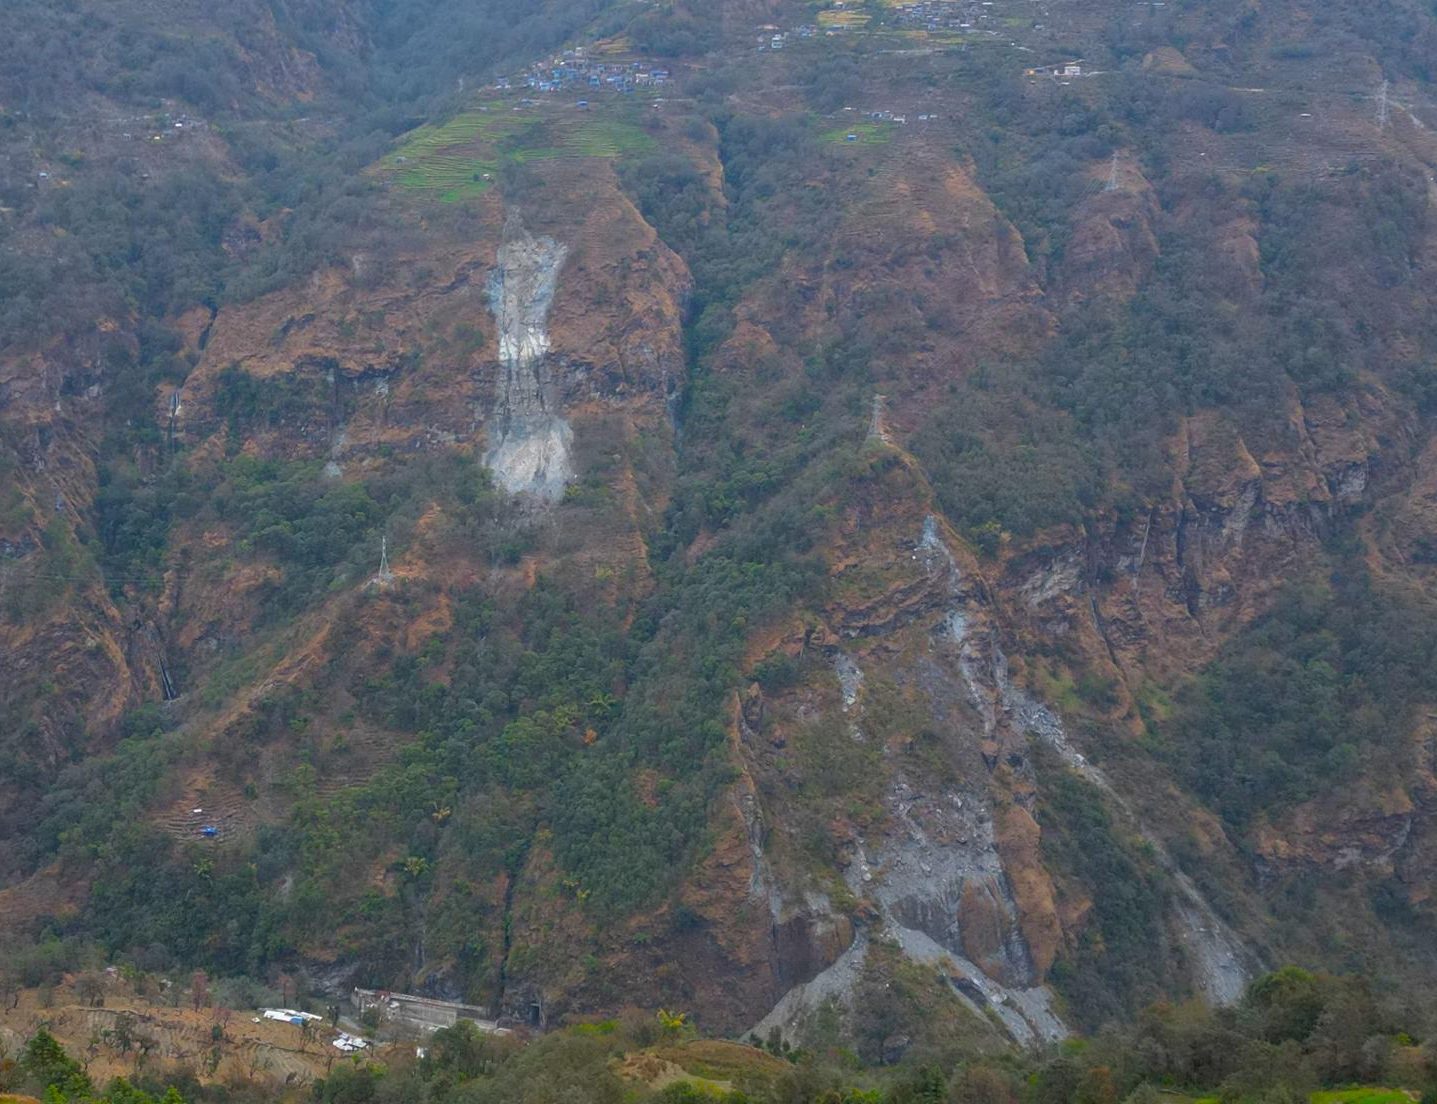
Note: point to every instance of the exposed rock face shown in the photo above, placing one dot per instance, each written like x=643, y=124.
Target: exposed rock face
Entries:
x=945, y=897
x=933, y=872
x=955, y=874
x=835, y=985
x=532, y=442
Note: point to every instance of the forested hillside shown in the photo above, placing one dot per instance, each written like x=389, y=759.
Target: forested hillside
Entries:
x=861, y=521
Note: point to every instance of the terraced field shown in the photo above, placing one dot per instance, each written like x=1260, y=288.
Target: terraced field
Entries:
x=865, y=133
x=1364, y=1095
x=461, y=158
x=1361, y=1094
x=447, y=158
x=848, y=20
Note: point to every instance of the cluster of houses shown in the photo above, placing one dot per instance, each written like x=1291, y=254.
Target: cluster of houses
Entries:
x=1065, y=70
x=157, y=128
x=895, y=117
x=771, y=38
x=963, y=16
x=942, y=15
x=576, y=70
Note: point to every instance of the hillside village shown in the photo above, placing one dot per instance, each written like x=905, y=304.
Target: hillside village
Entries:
x=578, y=69
x=609, y=67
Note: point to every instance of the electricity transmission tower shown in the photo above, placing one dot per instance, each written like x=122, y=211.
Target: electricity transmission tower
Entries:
x=385, y=576
x=876, y=429
x=1112, y=184
x=1382, y=107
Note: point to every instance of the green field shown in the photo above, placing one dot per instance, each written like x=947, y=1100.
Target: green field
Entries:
x=865, y=132
x=851, y=20
x=587, y=136
x=460, y=159
x=450, y=158
x=1366, y=1095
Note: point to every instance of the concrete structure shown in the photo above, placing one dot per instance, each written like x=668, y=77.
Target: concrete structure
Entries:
x=422, y=1013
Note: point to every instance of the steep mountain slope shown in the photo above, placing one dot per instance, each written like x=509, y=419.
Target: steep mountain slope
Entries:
x=855, y=530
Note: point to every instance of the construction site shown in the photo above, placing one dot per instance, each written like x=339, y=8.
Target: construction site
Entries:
x=424, y=1014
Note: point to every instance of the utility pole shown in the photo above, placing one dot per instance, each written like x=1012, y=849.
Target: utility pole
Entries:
x=1382, y=107
x=1112, y=184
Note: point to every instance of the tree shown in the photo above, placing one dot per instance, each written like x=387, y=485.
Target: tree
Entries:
x=45, y=1060
x=927, y=1086
x=90, y=988
x=462, y=1050
x=9, y=989
x=980, y=1085
x=1097, y=1087
x=352, y=1083
x=199, y=990
x=1291, y=1001
x=673, y=1023
x=123, y=1033
x=258, y=1063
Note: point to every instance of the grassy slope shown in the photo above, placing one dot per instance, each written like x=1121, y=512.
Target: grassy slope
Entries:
x=462, y=157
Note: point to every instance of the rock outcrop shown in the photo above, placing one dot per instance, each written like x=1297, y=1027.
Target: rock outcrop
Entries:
x=530, y=453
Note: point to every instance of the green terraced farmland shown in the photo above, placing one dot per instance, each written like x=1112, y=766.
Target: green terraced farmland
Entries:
x=454, y=158
x=460, y=158
x=865, y=133
x=1365, y=1095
